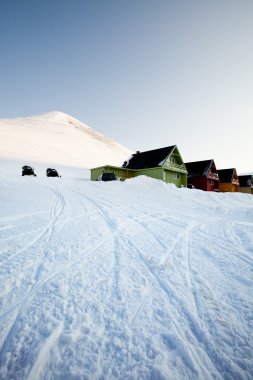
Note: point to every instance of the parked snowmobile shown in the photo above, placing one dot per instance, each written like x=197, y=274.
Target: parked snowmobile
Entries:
x=52, y=173
x=107, y=177
x=28, y=170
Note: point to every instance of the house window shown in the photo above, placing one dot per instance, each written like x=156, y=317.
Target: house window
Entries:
x=172, y=159
x=211, y=182
x=176, y=176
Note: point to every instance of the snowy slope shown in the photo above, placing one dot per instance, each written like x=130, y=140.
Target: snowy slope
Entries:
x=57, y=139
x=133, y=280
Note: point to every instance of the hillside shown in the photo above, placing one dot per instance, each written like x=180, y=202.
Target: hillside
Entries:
x=57, y=139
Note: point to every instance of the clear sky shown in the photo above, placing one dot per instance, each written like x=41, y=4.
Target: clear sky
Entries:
x=146, y=73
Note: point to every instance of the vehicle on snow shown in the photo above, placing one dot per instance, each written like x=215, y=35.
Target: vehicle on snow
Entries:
x=52, y=173
x=190, y=186
x=107, y=177
x=28, y=170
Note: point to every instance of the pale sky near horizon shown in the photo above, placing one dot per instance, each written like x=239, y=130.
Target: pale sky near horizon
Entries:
x=147, y=74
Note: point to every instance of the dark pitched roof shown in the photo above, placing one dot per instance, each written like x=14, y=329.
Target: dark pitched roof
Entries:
x=198, y=168
x=148, y=159
x=245, y=180
x=225, y=175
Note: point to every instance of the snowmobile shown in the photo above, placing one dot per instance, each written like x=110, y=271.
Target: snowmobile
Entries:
x=28, y=170
x=52, y=173
x=107, y=177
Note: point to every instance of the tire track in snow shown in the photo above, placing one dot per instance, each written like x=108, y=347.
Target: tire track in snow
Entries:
x=195, y=328
x=183, y=239
x=230, y=245
x=5, y=228
x=188, y=237
x=176, y=241
x=141, y=306
x=185, y=236
x=62, y=268
x=12, y=320
x=44, y=352
x=21, y=303
x=47, y=230
x=145, y=216
x=14, y=235
x=111, y=227
x=234, y=239
x=56, y=211
x=116, y=287
x=141, y=222
x=197, y=332
x=55, y=214
x=187, y=253
x=137, y=312
x=19, y=216
x=157, y=281
x=207, y=318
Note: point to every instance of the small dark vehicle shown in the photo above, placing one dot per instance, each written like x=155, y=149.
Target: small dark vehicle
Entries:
x=28, y=170
x=107, y=177
x=52, y=173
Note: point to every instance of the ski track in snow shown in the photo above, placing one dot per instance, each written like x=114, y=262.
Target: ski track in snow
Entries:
x=109, y=281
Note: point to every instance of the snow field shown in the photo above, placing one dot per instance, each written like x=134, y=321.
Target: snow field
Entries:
x=133, y=280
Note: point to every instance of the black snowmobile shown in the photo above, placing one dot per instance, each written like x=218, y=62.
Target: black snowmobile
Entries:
x=52, y=173
x=28, y=170
x=107, y=177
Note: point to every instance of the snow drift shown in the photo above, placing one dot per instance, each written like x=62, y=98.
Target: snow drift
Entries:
x=133, y=280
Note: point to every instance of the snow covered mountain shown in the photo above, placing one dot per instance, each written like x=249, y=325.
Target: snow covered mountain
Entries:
x=56, y=138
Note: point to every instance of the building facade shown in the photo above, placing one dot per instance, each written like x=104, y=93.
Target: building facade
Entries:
x=165, y=164
x=246, y=183
x=228, y=180
x=203, y=175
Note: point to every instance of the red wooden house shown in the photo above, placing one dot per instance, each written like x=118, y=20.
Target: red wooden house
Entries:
x=203, y=175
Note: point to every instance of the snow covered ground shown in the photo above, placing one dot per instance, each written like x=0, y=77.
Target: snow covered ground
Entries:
x=123, y=280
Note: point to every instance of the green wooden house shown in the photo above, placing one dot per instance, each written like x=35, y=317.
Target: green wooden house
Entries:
x=165, y=164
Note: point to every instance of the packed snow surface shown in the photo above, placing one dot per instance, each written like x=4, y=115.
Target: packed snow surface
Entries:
x=123, y=280
x=57, y=138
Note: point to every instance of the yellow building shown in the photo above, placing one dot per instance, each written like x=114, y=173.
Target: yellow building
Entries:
x=228, y=180
x=246, y=183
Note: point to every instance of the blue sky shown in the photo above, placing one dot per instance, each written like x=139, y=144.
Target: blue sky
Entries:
x=145, y=73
